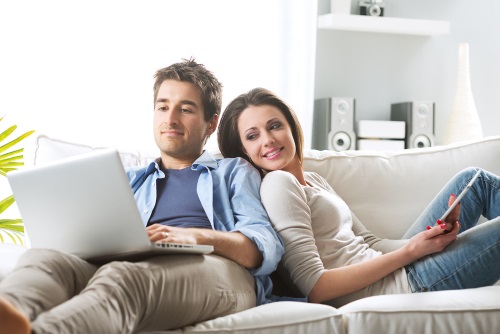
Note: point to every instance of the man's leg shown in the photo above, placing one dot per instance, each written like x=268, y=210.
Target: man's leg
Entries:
x=42, y=279
x=160, y=293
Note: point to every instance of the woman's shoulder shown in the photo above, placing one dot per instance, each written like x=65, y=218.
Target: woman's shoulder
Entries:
x=279, y=182
x=281, y=186
x=279, y=177
x=316, y=179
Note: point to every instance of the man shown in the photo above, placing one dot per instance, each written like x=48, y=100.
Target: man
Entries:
x=185, y=196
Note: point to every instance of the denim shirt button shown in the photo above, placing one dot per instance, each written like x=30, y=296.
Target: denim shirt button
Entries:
x=424, y=289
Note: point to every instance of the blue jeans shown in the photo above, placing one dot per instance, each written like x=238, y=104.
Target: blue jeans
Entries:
x=473, y=260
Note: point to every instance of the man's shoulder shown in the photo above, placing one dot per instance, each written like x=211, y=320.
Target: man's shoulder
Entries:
x=236, y=168
x=234, y=162
x=136, y=170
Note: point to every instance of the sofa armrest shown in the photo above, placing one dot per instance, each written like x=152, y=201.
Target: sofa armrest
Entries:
x=9, y=254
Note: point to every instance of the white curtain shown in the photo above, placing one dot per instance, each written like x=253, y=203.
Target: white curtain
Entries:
x=82, y=70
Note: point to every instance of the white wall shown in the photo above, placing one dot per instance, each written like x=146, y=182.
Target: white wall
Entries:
x=380, y=69
x=83, y=70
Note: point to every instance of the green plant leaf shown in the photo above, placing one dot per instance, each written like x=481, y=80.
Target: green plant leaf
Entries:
x=9, y=161
x=12, y=224
x=14, y=236
x=14, y=229
x=7, y=132
x=12, y=156
x=6, y=202
x=15, y=141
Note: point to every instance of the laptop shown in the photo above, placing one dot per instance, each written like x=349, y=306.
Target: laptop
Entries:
x=83, y=205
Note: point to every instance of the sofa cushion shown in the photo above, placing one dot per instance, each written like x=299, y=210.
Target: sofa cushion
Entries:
x=455, y=311
x=47, y=149
x=278, y=317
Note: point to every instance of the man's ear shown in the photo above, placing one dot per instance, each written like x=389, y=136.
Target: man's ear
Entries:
x=212, y=124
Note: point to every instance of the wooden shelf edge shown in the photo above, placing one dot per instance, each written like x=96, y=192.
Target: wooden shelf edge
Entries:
x=391, y=25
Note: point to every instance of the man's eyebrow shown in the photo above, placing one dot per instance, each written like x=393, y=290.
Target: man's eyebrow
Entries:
x=188, y=102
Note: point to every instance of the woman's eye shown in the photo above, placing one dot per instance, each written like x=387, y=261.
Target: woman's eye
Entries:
x=275, y=126
x=251, y=136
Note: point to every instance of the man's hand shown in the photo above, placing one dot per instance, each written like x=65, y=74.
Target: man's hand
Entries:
x=163, y=233
x=232, y=245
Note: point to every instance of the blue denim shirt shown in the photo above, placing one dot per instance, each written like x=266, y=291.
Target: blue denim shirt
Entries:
x=228, y=190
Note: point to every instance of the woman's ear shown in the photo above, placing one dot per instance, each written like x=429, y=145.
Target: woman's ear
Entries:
x=243, y=150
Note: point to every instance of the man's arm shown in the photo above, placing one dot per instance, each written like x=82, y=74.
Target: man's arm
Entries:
x=232, y=245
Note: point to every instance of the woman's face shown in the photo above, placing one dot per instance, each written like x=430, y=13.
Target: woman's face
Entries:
x=267, y=138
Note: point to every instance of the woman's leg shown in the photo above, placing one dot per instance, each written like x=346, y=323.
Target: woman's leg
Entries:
x=469, y=262
x=44, y=278
x=482, y=199
x=160, y=293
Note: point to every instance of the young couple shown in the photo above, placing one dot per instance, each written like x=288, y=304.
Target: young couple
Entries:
x=187, y=196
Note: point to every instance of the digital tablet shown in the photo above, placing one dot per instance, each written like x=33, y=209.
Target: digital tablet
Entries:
x=462, y=194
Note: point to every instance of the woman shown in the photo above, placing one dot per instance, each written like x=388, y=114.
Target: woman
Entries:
x=329, y=255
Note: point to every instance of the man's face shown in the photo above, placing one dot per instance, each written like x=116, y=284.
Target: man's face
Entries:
x=180, y=129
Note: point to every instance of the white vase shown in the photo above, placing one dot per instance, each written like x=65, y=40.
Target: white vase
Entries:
x=464, y=123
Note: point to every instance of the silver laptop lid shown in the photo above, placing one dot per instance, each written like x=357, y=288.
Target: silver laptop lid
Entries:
x=81, y=205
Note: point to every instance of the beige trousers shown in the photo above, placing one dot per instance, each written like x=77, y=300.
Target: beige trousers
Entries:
x=62, y=293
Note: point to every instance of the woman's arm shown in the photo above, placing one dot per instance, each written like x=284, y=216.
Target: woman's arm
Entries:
x=341, y=281
x=287, y=205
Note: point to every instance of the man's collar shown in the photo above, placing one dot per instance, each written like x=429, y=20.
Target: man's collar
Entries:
x=205, y=160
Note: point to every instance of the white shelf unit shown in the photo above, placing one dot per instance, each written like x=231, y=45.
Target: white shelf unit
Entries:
x=391, y=25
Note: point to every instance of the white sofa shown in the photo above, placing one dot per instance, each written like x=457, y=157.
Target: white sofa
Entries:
x=387, y=191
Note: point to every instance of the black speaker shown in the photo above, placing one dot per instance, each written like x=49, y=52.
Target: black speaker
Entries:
x=419, y=118
x=333, y=124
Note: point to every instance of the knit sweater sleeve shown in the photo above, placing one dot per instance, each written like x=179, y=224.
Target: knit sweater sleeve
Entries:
x=287, y=206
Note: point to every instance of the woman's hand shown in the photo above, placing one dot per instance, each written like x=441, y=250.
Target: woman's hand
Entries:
x=452, y=218
x=434, y=240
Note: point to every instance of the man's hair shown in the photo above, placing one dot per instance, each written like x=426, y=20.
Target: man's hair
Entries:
x=190, y=71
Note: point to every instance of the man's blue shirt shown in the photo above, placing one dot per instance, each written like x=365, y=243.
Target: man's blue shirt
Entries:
x=229, y=193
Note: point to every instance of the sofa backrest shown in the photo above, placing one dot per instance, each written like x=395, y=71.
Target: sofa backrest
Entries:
x=388, y=190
